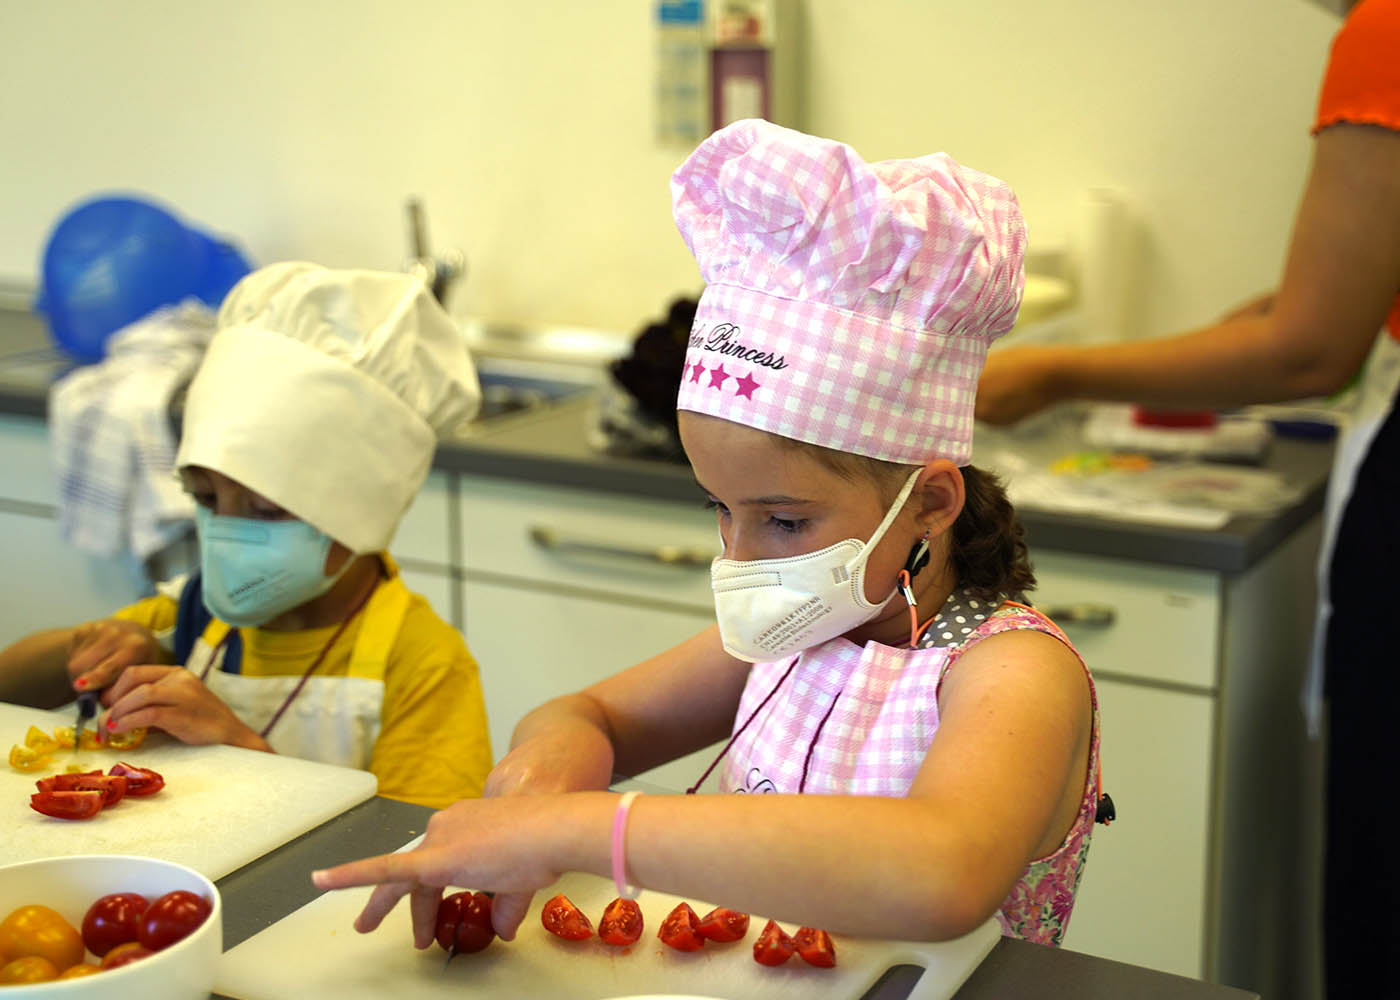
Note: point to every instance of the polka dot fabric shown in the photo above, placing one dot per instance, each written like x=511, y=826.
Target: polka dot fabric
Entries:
x=880, y=706
x=848, y=304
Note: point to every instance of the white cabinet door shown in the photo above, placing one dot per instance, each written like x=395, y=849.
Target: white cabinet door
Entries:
x=533, y=646
x=50, y=584
x=1142, y=899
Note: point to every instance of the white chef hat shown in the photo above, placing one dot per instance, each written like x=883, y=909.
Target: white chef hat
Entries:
x=325, y=391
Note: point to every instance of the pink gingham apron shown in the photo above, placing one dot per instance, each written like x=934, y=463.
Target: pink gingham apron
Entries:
x=874, y=738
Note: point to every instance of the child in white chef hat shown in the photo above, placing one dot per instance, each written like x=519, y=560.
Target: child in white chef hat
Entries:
x=307, y=432
x=868, y=649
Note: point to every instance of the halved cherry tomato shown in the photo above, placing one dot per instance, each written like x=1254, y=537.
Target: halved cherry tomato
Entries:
x=139, y=780
x=680, y=929
x=126, y=741
x=465, y=916
x=112, y=920
x=112, y=786
x=173, y=917
x=63, y=736
x=123, y=954
x=37, y=739
x=67, y=805
x=40, y=930
x=773, y=946
x=622, y=923
x=563, y=919
x=814, y=947
x=723, y=924
x=28, y=758
x=29, y=969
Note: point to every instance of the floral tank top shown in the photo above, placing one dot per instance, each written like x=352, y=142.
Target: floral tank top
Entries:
x=858, y=720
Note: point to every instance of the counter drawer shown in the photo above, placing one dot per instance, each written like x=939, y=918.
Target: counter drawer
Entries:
x=601, y=543
x=1132, y=619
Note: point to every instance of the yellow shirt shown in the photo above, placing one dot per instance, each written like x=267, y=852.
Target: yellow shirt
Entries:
x=433, y=746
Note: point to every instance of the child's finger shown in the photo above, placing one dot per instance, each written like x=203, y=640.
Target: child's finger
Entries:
x=385, y=868
x=423, y=903
x=383, y=899
x=508, y=909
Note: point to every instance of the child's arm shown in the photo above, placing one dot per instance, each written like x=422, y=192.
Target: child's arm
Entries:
x=658, y=710
x=34, y=670
x=1007, y=768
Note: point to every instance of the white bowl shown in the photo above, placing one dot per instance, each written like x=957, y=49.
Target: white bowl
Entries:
x=183, y=971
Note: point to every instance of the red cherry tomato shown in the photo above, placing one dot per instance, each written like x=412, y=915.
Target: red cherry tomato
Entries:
x=172, y=918
x=814, y=947
x=467, y=917
x=723, y=924
x=681, y=929
x=67, y=805
x=139, y=780
x=773, y=946
x=563, y=919
x=113, y=920
x=112, y=786
x=124, y=954
x=622, y=923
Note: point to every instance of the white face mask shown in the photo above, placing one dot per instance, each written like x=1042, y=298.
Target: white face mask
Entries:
x=770, y=608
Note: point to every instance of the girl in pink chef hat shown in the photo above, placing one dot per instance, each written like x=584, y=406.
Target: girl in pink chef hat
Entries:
x=924, y=747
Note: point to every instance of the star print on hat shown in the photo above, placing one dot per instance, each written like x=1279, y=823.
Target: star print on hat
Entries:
x=848, y=304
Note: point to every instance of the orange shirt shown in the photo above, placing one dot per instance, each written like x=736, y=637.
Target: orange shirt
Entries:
x=1362, y=82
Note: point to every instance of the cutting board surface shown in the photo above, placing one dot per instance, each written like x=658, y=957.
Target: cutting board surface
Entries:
x=315, y=953
x=221, y=806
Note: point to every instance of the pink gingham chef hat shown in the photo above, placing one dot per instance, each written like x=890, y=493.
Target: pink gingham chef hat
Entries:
x=847, y=304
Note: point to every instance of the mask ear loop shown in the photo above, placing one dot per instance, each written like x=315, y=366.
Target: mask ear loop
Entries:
x=918, y=559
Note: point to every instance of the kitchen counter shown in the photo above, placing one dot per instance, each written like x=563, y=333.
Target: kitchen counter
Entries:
x=263, y=892
x=550, y=446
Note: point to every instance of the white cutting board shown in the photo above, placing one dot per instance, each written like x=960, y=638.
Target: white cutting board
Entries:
x=315, y=953
x=221, y=807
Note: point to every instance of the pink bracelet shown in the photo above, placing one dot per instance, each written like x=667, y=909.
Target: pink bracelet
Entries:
x=619, y=835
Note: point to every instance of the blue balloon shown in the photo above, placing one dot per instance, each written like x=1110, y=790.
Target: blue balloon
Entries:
x=110, y=261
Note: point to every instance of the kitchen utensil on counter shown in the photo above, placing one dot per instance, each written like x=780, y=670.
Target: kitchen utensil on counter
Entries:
x=182, y=971
x=314, y=953
x=221, y=806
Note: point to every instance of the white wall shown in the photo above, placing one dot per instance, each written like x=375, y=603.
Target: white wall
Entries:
x=526, y=125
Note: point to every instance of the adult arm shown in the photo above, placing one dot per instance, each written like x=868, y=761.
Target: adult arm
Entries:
x=1340, y=279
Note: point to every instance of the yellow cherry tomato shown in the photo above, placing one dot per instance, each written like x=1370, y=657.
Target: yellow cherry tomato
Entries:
x=39, y=930
x=29, y=969
x=37, y=739
x=80, y=970
x=27, y=759
x=126, y=741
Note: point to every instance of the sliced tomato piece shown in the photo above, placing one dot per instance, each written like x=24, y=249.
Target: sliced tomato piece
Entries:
x=37, y=739
x=139, y=780
x=814, y=947
x=28, y=758
x=63, y=736
x=773, y=947
x=126, y=741
x=563, y=919
x=723, y=924
x=622, y=923
x=67, y=805
x=464, y=918
x=112, y=786
x=681, y=929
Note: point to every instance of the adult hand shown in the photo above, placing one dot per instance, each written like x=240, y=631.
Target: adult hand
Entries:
x=175, y=700
x=1016, y=383
x=101, y=650
x=494, y=845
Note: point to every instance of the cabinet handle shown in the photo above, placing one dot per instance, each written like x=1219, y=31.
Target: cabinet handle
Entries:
x=666, y=555
x=1084, y=613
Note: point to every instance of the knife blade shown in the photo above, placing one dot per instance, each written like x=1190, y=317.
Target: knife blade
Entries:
x=87, y=709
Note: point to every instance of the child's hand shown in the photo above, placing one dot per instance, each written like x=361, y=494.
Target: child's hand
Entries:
x=101, y=650
x=494, y=845
x=175, y=700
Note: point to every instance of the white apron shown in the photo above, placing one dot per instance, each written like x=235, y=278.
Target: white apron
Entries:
x=333, y=719
x=1374, y=397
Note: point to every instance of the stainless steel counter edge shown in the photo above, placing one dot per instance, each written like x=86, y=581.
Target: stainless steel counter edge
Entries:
x=550, y=447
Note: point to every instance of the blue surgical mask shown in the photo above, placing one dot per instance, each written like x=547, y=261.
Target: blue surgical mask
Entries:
x=253, y=570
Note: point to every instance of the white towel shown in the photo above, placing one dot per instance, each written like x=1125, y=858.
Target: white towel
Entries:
x=113, y=447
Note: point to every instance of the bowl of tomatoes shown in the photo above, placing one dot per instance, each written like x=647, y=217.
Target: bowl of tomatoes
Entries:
x=103, y=925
